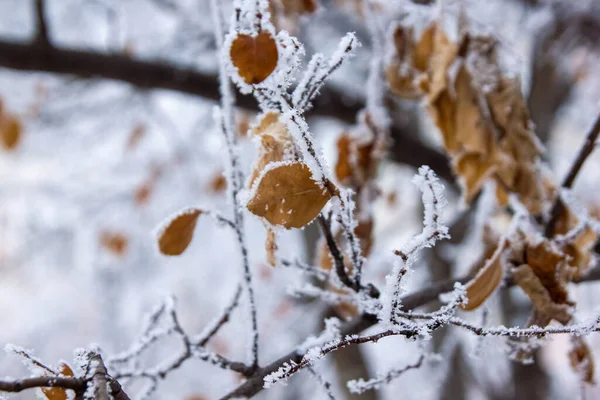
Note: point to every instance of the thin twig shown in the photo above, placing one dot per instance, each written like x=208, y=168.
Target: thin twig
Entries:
x=324, y=382
x=336, y=253
x=359, y=386
x=222, y=319
x=254, y=383
x=586, y=149
x=235, y=179
x=41, y=34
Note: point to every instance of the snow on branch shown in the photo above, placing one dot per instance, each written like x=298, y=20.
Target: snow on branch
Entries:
x=432, y=195
x=126, y=364
x=359, y=386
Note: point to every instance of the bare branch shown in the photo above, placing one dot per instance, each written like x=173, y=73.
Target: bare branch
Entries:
x=41, y=35
x=157, y=75
x=336, y=253
x=586, y=149
x=222, y=319
x=76, y=384
x=360, y=386
x=99, y=378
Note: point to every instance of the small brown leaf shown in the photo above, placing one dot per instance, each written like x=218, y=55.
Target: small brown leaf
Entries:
x=114, y=242
x=486, y=281
x=10, y=131
x=57, y=393
x=178, y=233
x=287, y=195
x=292, y=7
x=255, y=57
x=218, y=183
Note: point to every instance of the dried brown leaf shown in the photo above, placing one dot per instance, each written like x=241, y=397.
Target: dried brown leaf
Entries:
x=531, y=284
x=178, y=233
x=550, y=266
x=287, y=195
x=276, y=143
x=255, y=57
x=474, y=169
x=487, y=279
x=11, y=131
x=115, y=242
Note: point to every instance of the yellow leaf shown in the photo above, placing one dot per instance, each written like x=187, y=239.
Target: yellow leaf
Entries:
x=178, y=233
x=287, y=195
x=486, y=281
x=56, y=393
x=255, y=57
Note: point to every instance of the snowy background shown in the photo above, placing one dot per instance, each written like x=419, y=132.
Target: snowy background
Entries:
x=74, y=178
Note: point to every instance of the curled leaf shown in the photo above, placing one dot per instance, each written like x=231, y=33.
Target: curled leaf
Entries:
x=276, y=143
x=287, y=195
x=255, y=57
x=539, y=295
x=486, y=281
x=176, y=235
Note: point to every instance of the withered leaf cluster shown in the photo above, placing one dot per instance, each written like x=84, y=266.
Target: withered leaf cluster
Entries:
x=480, y=112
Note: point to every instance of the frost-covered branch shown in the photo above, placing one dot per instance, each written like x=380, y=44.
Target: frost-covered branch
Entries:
x=359, y=386
x=255, y=382
x=125, y=364
x=308, y=269
x=433, y=230
x=224, y=120
x=95, y=380
x=212, y=329
x=323, y=382
x=336, y=253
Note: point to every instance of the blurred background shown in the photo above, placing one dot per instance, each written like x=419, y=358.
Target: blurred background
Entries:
x=116, y=133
